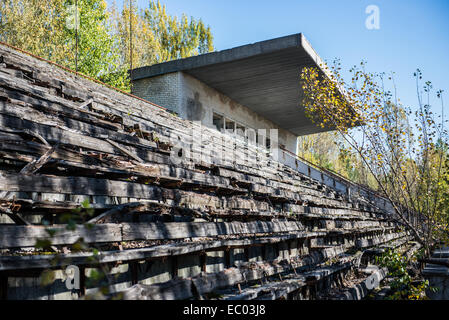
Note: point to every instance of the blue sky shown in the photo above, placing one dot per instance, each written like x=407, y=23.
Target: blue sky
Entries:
x=413, y=34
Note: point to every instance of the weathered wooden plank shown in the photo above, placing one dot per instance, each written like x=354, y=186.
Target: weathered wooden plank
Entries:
x=159, y=251
x=364, y=243
x=270, y=291
x=35, y=165
x=179, y=289
x=360, y=290
x=86, y=103
x=124, y=170
x=60, y=110
x=125, y=151
x=91, y=186
x=55, y=135
x=26, y=236
x=50, y=206
x=39, y=122
x=19, y=236
x=180, y=230
x=15, y=143
x=16, y=217
x=205, y=283
x=78, y=185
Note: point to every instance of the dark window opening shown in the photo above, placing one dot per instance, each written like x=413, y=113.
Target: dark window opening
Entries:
x=218, y=121
x=240, y=130
x=230, y=126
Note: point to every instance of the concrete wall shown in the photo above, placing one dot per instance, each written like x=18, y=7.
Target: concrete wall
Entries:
x=193, y=100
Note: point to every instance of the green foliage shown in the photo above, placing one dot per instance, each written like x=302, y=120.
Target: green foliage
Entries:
x=103, y=34
x=98, y=56
x=177, y=38
x=404, y=153
x=402, y=285
x=52, y=35
x=78, y=215
x=328, y=151
x=47, y=277
x=157, y=36
x=35, y=26
x=44, y=244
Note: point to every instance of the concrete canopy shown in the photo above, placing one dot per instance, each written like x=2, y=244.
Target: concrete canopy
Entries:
x=262, y=76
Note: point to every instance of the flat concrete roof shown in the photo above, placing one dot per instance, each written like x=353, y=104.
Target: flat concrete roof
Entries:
x=263, y=76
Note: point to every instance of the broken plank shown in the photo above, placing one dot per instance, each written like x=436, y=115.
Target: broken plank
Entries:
x=14, y=216
x=118, y=209
x=35, y=165
x=125, y=151
x=60, y=110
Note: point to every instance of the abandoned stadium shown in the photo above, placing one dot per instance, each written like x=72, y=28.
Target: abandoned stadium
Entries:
x=245, y=227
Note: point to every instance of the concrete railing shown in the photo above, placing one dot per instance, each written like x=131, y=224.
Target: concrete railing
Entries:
x=333, y=180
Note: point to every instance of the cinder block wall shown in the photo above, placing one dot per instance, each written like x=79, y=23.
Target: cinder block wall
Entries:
x=164, y=90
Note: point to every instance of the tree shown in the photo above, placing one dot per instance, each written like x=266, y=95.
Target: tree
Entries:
x=407, y=161
x=35, y=26
x=96, y=40
x=177, y=39
x=158, y=37
x=98, y=54
x=76, y=37
x=328, y=151
x=145, y=47
x=320, y=149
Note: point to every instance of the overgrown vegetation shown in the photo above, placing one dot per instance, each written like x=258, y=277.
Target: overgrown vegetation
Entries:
x=402, y=149
x=403, y=285
x=95, y=40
